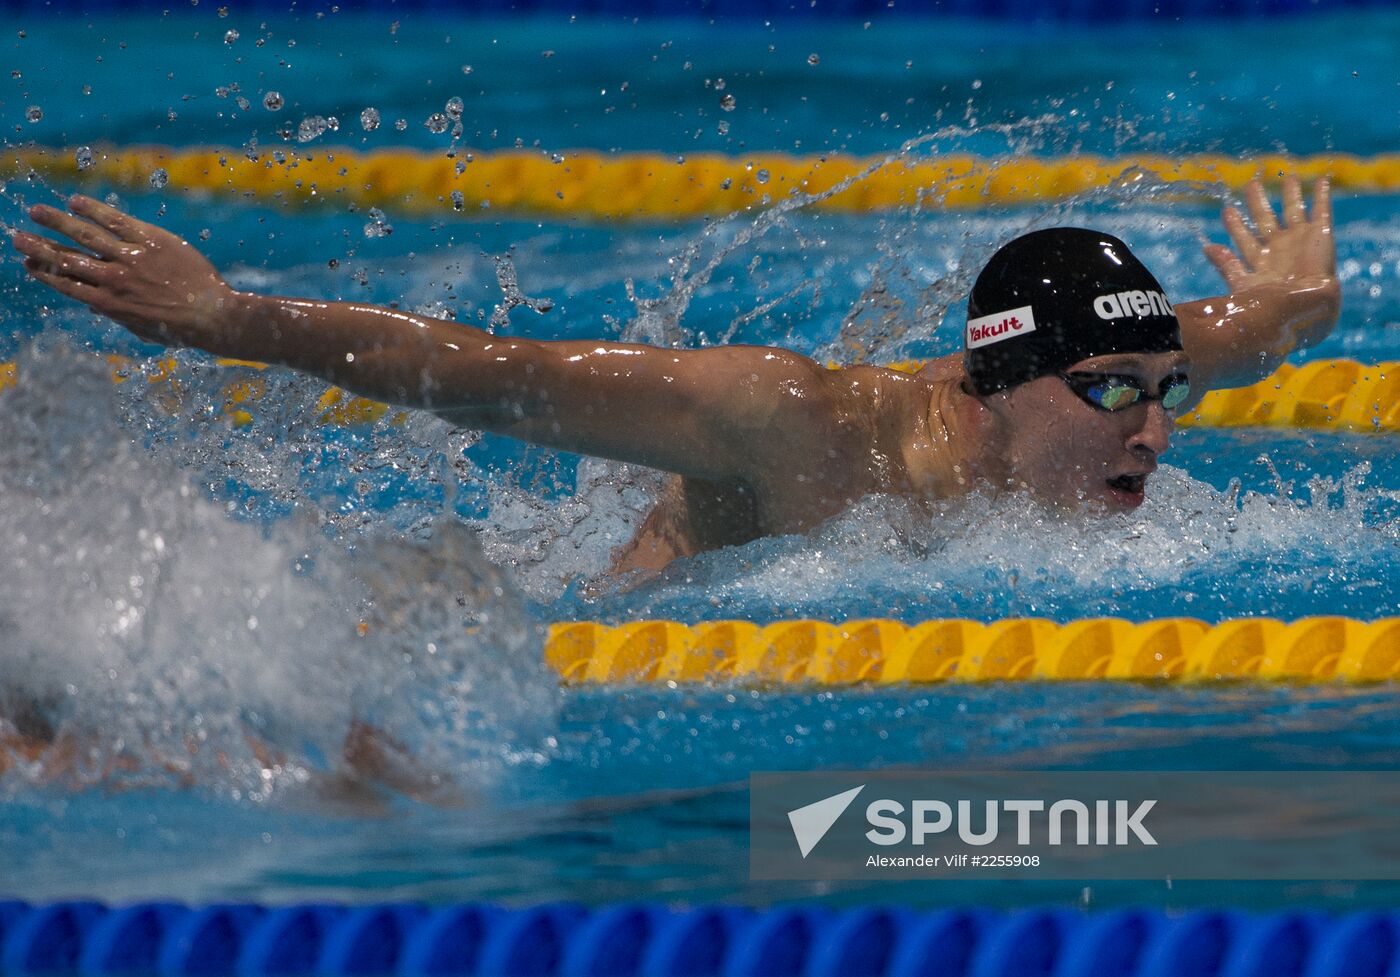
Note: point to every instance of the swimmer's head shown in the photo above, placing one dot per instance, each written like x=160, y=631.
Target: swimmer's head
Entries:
x=1054, y=297
x=1075, y=350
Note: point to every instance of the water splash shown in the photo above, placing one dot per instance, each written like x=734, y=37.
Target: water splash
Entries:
x=156, y=639
x=1191, y=549
x=918, y=272
x=511, y=295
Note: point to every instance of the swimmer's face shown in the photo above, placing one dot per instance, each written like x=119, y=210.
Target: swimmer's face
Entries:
x=1069, y=452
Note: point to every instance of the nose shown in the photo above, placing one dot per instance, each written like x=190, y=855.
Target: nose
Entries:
x=1155, y=432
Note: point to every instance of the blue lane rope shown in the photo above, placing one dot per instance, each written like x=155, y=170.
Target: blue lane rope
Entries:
x=87, y=939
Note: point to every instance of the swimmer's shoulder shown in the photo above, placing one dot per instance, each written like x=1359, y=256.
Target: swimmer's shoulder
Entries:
x=883, y=384
x=927, y=422
x=898, y=401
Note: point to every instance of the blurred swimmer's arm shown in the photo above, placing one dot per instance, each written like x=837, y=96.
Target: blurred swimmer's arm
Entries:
x=1284, y=293
x=731, y=412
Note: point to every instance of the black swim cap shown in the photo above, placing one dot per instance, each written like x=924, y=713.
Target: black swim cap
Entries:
x=1053, y=297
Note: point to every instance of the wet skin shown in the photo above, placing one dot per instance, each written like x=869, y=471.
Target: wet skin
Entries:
x=762, y=441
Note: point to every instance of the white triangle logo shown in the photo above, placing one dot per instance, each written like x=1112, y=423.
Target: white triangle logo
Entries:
x=811, y=823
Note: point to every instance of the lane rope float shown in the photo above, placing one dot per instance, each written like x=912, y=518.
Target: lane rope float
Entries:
x=1341, y=395
x=655, y=186
x=416, y=940
x=882, y=652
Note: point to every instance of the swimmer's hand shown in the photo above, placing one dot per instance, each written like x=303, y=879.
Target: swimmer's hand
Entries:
x=1288, y=251
x=1284, y=293
x=147, y=279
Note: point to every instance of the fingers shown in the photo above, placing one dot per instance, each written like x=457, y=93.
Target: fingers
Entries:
x=96, y=239
x=1294, y=210
x=123, y=226
x=53, y=257
x=1260, y=210
x=1322, y=203
x=1226, y=262
x=1241, y=236
x=89, y=295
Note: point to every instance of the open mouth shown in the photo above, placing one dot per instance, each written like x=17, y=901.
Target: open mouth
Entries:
x=1125, y=491
x=1131, y=484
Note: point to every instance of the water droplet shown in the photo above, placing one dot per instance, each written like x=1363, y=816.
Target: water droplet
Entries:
x=814, y=59
x=369, y=119
x=401, y=124
x=466, y=69
x=454, y=108
x=723, y=127
x=311, y=127
x=727, y=102
x=976, y=84
x=458, y=201
x=243, y=103
x=33, y=113
x=230, y=37
x=437, y=123
x=726, y=183
x=762, y=176
x=205, y=234
x=159, y=178
x=83, y=157
x=378, y=225
x=546, y=54
x=272, y=101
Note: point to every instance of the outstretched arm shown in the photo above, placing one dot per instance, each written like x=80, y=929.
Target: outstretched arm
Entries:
x=733, y=412
x=1284, y=293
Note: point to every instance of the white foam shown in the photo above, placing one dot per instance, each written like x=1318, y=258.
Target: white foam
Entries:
x=146, y=622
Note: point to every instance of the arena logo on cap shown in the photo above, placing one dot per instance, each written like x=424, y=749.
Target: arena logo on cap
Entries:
x=1121, y=305
x=988, y=329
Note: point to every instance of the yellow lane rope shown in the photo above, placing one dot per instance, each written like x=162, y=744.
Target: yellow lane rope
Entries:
x=1317, y=649
x=1342, y=395
x=590, y=184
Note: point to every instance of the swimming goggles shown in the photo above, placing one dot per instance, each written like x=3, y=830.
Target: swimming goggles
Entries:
x=1118, y=391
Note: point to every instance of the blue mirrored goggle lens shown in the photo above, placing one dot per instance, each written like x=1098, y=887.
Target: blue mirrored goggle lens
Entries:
x=1175, y=393
x=1115, y=393
x=1114, y=396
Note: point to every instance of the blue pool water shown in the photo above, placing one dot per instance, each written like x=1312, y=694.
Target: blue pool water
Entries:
x=173, y=581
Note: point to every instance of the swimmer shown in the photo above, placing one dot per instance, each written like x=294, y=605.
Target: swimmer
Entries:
x=1074, y=366
x=371, y=766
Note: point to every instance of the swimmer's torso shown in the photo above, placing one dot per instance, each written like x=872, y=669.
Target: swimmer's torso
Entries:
x=895, y=433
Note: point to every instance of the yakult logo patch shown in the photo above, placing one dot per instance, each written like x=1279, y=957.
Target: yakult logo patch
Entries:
x=1121, y=305
x=1003, y=325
